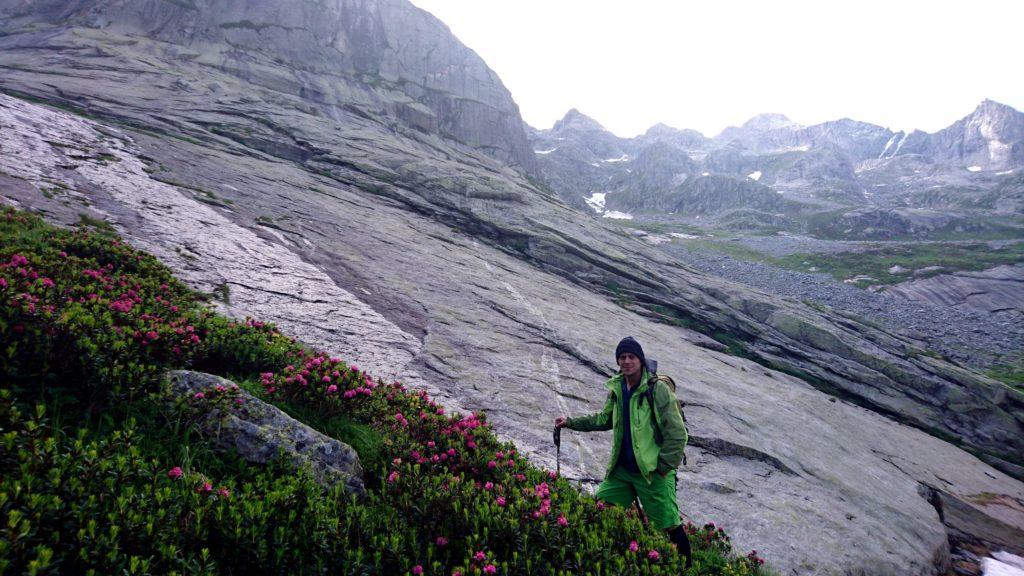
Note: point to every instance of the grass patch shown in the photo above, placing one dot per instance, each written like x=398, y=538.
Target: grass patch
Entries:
x=101, y=226
x=876, y=262
x=655, y=227
x=1010, y=374
x=222, y=292
x=734, y=249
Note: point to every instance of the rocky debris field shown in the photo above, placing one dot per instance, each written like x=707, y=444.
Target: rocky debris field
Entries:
x=977, y=339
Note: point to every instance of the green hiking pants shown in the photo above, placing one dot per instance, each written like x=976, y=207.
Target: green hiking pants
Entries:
x=658, y=498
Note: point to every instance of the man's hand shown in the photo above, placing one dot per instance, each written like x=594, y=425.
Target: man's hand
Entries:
x=560, y=422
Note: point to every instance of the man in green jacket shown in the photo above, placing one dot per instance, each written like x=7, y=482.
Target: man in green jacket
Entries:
x=639, y=465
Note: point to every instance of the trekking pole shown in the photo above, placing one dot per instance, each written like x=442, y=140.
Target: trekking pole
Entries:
x=558, y=450
x=639, y=509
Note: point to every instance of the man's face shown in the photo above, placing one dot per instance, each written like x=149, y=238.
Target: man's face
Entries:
x=629, y=363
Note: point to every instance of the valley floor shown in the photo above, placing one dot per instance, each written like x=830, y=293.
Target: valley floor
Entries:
x=981, y=340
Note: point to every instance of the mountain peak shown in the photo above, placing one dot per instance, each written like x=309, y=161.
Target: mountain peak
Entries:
x=577, y=120
x=662, y=129
x=992, y=108
x=770, y=121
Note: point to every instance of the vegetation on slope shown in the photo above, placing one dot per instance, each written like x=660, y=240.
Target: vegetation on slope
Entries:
x=941, y=258
x=918, y=260
x=100, y=476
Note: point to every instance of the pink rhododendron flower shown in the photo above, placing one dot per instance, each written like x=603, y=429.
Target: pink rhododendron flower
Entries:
x=332, y=389
x=490, y=569
x=501, y=500
x=224, y=493
x=491, y=464
x=479, y=556
x=174, y=473
x=204, y=487
x=653, y=555
x=417, y=569
x=393, y=476
x=562, y=520
x=441, y=541
x=633, y=546
x=488, y=485
x=199, y=396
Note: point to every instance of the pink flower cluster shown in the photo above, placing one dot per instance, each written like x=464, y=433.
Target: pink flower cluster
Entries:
x=480, y=558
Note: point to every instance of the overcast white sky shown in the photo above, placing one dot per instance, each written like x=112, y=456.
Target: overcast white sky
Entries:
x=708, y=64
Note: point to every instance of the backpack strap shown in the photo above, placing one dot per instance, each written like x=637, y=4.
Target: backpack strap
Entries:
x=659, y=438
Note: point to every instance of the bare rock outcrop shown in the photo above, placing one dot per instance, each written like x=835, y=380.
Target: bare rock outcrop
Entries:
x=384, y=59
x=259, y=432
x=993, y=290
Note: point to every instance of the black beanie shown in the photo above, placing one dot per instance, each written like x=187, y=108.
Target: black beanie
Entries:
x=628, y=344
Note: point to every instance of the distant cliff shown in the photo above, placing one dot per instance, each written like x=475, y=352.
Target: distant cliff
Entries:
x=383, y=58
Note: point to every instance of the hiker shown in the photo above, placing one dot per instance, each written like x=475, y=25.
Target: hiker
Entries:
x=647, y=446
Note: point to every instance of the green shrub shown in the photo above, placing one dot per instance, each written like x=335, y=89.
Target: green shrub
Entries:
x=88, y=325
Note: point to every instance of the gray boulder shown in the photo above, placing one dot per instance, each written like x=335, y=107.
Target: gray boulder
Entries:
x=259, y=432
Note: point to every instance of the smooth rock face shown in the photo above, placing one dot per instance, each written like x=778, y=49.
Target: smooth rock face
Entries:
x=495, y=295
x=993, y=290
x=259, y=432
x=375, y=57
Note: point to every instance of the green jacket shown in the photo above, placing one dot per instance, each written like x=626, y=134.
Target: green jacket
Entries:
x=650, y=457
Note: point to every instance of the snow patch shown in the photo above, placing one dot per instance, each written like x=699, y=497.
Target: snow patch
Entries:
x=900, y=145
x=618, y=215
x=545, y=151
x=754, y=175
x=1003, y=564
x=704, y=173
x=596, y=201
x=1004, y=172
x=998, y=151
x=887, y=146
x=622, y=158
x=595, y=164
x=974, y=169
x=683, y=236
